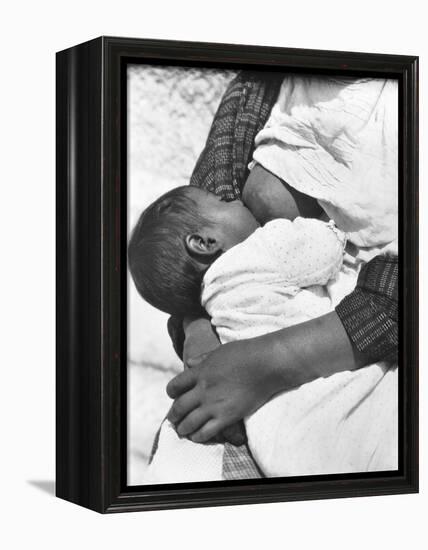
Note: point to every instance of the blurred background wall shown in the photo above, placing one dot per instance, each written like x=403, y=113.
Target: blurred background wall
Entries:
x=170, y=111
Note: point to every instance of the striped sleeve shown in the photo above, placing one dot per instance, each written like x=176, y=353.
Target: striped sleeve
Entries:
x=370, y=313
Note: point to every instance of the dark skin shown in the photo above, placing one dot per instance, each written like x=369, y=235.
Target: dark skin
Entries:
x=229, y=382
x=269, y=198
x=200, y=340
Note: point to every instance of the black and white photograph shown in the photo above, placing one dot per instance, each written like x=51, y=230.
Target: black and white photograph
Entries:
x=213, y=236
x=262, y=274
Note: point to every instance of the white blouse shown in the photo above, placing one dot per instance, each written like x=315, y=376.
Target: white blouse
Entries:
x=336, y=139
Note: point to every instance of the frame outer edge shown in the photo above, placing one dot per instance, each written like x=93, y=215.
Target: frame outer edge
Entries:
x=89, y=356
x=79, y=471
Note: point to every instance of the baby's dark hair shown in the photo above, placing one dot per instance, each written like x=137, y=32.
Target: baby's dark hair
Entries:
x=163, y=271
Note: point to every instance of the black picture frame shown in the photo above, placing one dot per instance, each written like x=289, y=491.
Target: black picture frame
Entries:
x=91, y=264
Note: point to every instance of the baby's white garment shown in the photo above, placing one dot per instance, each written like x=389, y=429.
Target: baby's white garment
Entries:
x=276, y=278
x=336, y=139
x=344, y=423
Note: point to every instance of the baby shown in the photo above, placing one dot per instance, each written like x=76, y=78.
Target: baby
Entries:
x=191, y=251
x=185, y=233
x=176, y=239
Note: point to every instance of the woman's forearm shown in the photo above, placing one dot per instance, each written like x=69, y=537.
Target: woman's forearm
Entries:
x=291, y=356
x=299, y=354
x=239, y=377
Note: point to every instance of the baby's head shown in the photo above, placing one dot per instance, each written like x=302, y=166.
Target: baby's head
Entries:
x=176, y=239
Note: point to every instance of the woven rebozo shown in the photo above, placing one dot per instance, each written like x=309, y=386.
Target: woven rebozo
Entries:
x=222, y=167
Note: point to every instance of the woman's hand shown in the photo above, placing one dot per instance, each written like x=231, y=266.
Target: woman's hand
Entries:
x=236, y=379
x=219, y=389
x=200, y=339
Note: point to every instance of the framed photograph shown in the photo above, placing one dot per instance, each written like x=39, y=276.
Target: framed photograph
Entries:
x=237, y=279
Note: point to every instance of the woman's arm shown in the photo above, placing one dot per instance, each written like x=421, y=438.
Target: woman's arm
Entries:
x=237, y=378
x=370, y=313
x=315, y=349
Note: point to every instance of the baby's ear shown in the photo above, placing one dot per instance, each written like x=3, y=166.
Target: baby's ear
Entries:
x=202, y=246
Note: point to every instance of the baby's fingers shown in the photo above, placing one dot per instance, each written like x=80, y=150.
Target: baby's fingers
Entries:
x=181, y=383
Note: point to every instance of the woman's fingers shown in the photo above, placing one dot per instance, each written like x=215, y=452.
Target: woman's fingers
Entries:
x=192, y=422
x=208, y=431
x=182, y=407
x=195, y=361
x=181, y=383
